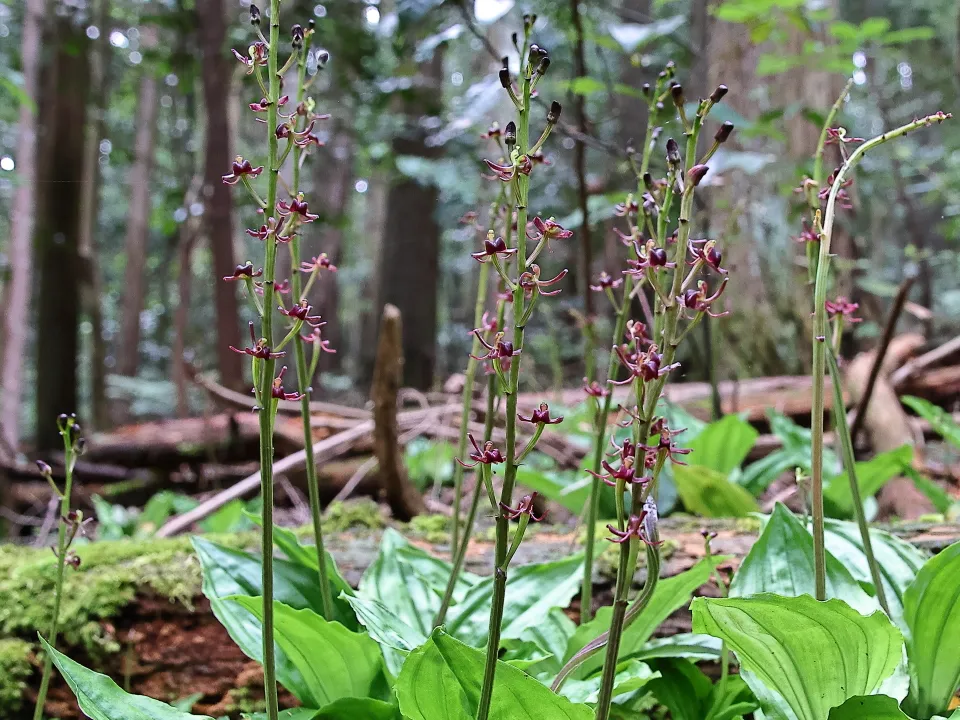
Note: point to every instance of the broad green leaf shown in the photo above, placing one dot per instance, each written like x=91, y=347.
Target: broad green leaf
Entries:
x=292, y=714
x=585, y=86
x=682, y=688
x=101, y=698
x=931, y=611
x=758, y=476
x=442, y=680
x=815, y=655
x=395, y=637
x=710, y=494
x=564, y=487
x=552, y=635
x=871, y=476
x=532, y=591
x=334, y=662
x=723, y=444
x=228, y=572
x=682, y=645
x=940, y=420
x=358, y=709
x=670, y=595
x=869, y=707
x=781, y=562
x=899, y=561
x=409, y=582
x=631, y=675
x=938, y=497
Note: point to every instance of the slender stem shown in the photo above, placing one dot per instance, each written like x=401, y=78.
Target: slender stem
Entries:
x=467, y=401
x=61, y=569
x=820, y=339
x=304, y=375
x=850, y=464
x=600, y=423
x=522, y=185
x=267, y=373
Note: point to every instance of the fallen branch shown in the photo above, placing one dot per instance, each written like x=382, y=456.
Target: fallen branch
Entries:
x=913, y=367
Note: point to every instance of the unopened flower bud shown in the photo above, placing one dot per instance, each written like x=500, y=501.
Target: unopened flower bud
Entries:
x=80, y=447
x=323, y=57
x=529, y=20
x=45, y=469
x=505, y=77
x=515, y=38
x=718, y=94
x=676, y=92
x=311, y=25
x=696, y=175
x=510, y=134
x=297, y=36
x=254, y=15
x=645, y=89
x=554, y=115
x=543, y=66
x=724, y=132
x=648, y=181
x=536, y=54
x=673, y=152
x=505, y=61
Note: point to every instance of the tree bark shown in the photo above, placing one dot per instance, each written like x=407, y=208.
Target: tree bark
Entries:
x=17, y=309
x=409, y=252
x=58, y=232
x=92, y=287
x=138, y=225
x=403, y=498
x=218, y=205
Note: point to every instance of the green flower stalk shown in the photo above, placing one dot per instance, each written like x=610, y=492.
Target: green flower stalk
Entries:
x=69, y=525
x=525, y=290
x=305, y=373
x=834, y=193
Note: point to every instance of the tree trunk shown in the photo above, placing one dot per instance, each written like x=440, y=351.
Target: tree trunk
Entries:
x=409, y=252
x=92, y=288
x=138, y=226
x=218, y=205
x=58, y=231
x=17, y=309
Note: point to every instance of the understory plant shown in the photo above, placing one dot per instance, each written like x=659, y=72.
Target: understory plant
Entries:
x=421, y=638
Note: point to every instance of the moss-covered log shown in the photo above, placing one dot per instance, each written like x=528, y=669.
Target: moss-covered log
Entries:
x=135, y=611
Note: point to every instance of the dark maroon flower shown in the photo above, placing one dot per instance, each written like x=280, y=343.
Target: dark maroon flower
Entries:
x=807, y=233
x=625, y=473
x=706, y=251
x=843, y=197
x=493, y=132
x=650, y=257
x=264, y=104
x=493, y=247
x=321, y=262
x=627, y=209
x=606, y=282
x=699, y=301
x=488, y=455
x=538, y=158
x=259, y=348
x=843, y=307
x=277, y=391
x=244, y=272
x=550, y=229
x=594, y=389
x=241, y=168
x=541, y=416
x=525, y=507
x=643, y=527
x=502, y=172
x=256, y=55
x=301, y=311
x=498, y=351
x=488, y=323
x=636, y=333
x=532, y=284
x=665, y=443
x=839, y=135
x=696, y=175
x=647, y=365
x=316, y=338
x=297, y=206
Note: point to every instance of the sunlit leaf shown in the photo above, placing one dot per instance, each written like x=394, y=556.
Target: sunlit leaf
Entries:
x=711, y=494
x=872, y=475
x=869, y=707
x=631, y=675
x=775, y=638
x=723, y=444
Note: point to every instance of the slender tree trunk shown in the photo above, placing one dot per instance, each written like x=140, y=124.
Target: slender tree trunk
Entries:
x=17, y=308
x=218, y=205
x=138, y=226
x=58, y=232
x=92, y=288
x=409, y=252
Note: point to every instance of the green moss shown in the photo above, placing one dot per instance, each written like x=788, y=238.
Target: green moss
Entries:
x=361, y=513
x=14, y=671
x=433, y=528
